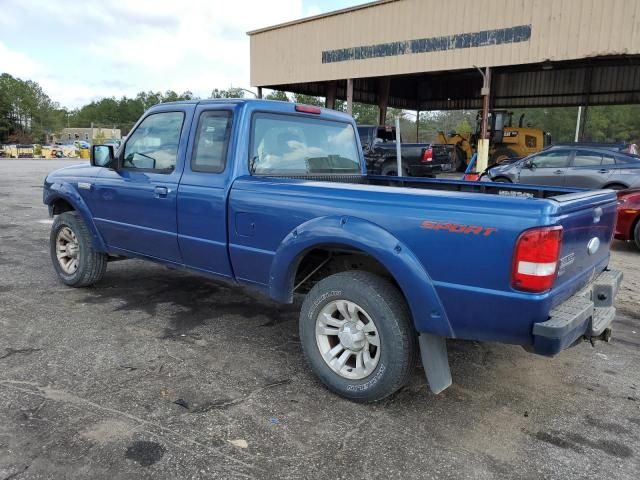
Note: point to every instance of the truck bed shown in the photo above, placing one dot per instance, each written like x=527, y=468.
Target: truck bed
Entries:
x=504, y=189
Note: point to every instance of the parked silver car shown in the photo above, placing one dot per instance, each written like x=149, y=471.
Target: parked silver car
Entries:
x=579, y=167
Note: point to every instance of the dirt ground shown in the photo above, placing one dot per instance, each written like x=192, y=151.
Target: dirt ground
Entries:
x=163, y=374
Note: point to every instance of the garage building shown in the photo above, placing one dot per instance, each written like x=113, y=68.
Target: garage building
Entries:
x=422, y=54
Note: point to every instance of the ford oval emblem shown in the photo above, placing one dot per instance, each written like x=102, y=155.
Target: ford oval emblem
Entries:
x=593, y=245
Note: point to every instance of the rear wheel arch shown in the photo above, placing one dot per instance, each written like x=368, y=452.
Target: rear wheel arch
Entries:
x=390, y=167
x=615, y=186
x=376, y=250
x=635, y=232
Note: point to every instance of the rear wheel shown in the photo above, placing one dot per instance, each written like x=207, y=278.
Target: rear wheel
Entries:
x=391, y=169
x=75, y=260
x=636, y=234
x=357, y=335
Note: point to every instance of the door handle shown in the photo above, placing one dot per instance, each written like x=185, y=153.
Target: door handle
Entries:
x=559, y=172
x=160, y=192
x=602, y=170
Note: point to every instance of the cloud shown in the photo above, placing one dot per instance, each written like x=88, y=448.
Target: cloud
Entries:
x=16, y=63
x=80, y=51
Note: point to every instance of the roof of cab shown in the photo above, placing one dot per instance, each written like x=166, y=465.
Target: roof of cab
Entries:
x=258, y=104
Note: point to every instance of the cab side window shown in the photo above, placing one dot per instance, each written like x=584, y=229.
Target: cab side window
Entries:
x=555, y=159
x=212, y=139
x=587, y=159
x=154, y=144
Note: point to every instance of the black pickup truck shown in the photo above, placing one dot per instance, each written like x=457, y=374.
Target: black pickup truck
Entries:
x=418, y=159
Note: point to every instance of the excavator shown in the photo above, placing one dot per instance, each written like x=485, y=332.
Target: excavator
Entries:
x=506, y=142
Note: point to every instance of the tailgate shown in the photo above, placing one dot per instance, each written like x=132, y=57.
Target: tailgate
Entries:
x=441, y=153
x=588, y=221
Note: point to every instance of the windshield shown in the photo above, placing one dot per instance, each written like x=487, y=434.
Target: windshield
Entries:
x=296, y=145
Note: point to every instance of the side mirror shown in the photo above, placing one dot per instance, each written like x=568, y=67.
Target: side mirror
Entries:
x=102, y=156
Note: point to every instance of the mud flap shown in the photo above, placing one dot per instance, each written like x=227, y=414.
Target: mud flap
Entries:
x=433, y=350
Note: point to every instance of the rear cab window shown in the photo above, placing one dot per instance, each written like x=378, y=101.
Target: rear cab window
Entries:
x=295, y=145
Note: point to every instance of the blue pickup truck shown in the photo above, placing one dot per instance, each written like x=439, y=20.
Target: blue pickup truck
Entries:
x=275, y=196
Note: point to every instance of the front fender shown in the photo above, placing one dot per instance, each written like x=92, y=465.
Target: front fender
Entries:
x=416, y=285
x=65, y=191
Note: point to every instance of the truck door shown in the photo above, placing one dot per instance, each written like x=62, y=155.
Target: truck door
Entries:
x=135, y=207
x=202, y=194
x=546, y=168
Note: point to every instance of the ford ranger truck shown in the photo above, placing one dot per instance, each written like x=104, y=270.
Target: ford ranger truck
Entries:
x=275, y=196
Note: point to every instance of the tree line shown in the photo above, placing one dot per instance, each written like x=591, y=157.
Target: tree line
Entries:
x=29, y=115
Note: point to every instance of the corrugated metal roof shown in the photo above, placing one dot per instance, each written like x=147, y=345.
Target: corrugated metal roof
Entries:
x=601, y=81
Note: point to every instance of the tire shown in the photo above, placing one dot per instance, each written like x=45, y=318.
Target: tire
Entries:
x=379, y=302
x=90, y=265
x=391, y=169
x=636, y=234
x=501, y=154
x=615, y=186
x=501, y=180
x=460, y=159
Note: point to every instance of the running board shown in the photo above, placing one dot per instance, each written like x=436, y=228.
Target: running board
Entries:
x=433, y=350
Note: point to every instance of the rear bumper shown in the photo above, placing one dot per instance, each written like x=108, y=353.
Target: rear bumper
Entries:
x=588, y=313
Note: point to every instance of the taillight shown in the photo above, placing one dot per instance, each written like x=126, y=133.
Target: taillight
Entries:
x=536, y=258
x=427, y=155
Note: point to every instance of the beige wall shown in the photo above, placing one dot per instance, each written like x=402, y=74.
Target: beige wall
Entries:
x=560, y=30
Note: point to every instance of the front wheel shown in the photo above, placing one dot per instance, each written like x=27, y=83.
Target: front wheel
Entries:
x=75, y=260
x=501, y=180
x=636, y=234
x=357, y=335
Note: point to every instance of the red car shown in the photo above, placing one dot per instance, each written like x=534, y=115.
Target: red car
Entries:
x=628, y=225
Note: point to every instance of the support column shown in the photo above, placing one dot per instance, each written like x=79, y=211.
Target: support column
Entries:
x=350, y=96
x=330, y=94
x=586, y=102
x=383, y=98
x=482, y=150
x=583, y=123
x=259, y=92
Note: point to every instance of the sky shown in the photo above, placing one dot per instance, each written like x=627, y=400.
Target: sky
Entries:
x=79, y=51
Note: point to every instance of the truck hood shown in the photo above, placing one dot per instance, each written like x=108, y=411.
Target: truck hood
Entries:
x=80, y=170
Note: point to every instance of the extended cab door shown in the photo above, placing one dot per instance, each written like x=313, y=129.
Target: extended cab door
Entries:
x=202, y=194
x=546, y=168
x=135, y=203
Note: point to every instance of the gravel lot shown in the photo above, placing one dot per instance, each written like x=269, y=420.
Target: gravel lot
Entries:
x=163, y=374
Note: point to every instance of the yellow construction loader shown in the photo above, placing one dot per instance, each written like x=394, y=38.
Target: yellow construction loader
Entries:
x=505, y=141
